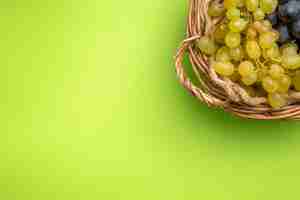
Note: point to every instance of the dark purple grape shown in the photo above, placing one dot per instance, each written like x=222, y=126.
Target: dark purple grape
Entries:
x=298, y=42
x=273, y=18
x=282, y=13
x=296, y=29
x=292, y=9
x=282, y=2
x=284, y=33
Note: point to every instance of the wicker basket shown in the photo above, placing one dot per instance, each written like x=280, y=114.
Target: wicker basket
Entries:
x=221, y=92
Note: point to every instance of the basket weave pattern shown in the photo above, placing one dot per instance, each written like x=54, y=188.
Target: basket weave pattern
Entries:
x=217, y=91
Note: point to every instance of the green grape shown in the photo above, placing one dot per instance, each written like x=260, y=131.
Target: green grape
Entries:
x=223, y=54
x=253, y=49
x=223, y=68
x=240, y=3
x=258, y=14
x=269, y=84
x=260, y=27
x=296, y=81
x=216, y=9
x=289, y=49
x=267, y=23
x=230, y=4
x=233, y=40
x=276, y=71
x=276, y=100
x=206, y=45
x=251, y=5
x=220, y=33
x=233, y=13
x=268, y=6
x=284, y=83
x=251, y=33
x=262, y=73
x=246, y=68
x=250, y=79
x=237, y=54
x=266, y=40
x=237, y=25
x=275, y=34
x=291, y=61
x=272, y=53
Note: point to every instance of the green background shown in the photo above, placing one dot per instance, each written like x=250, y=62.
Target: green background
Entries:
x=91, y=109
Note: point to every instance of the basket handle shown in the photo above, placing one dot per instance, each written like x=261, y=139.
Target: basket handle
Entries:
x=186, y=82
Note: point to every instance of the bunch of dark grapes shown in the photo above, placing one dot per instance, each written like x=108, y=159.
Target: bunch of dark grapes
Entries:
x=286, y=19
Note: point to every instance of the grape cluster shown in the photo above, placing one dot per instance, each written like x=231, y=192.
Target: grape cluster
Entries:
x=246, y=48
x=286, y=19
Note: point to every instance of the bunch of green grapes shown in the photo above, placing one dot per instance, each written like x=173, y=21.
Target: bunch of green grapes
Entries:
x=244, y=48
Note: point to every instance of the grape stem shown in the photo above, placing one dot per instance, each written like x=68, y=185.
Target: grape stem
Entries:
x=276, y=60
x=259, y=63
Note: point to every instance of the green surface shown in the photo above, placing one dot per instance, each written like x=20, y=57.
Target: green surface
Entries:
x=91, y=109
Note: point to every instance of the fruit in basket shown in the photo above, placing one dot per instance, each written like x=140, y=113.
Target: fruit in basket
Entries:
x=276, y=71
x=284, y=83
x=258, y=14
x=291, y=9
x=216, y=9
x=236, y=54
x=233, y=13
x=237, y=25
x=270, y=88
x=223, y=68
x=251, y=33
x=253, y=46
x=291, y=61
x=266, y=40
x=296, y=29
x=273, y=18
x=245, y=68
x=220, y=33
x=223, y=55
x=251, y=5
x=296, y=81
x=268, y=6
x=269, y=84
x=233, y=40
x=260, y=27
x=207, y=45
x=250, y=79
x=272, y=53
x=253, y=50
x=284, y=33
x=276, y=100
x=230, y=4
x=286, y=19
